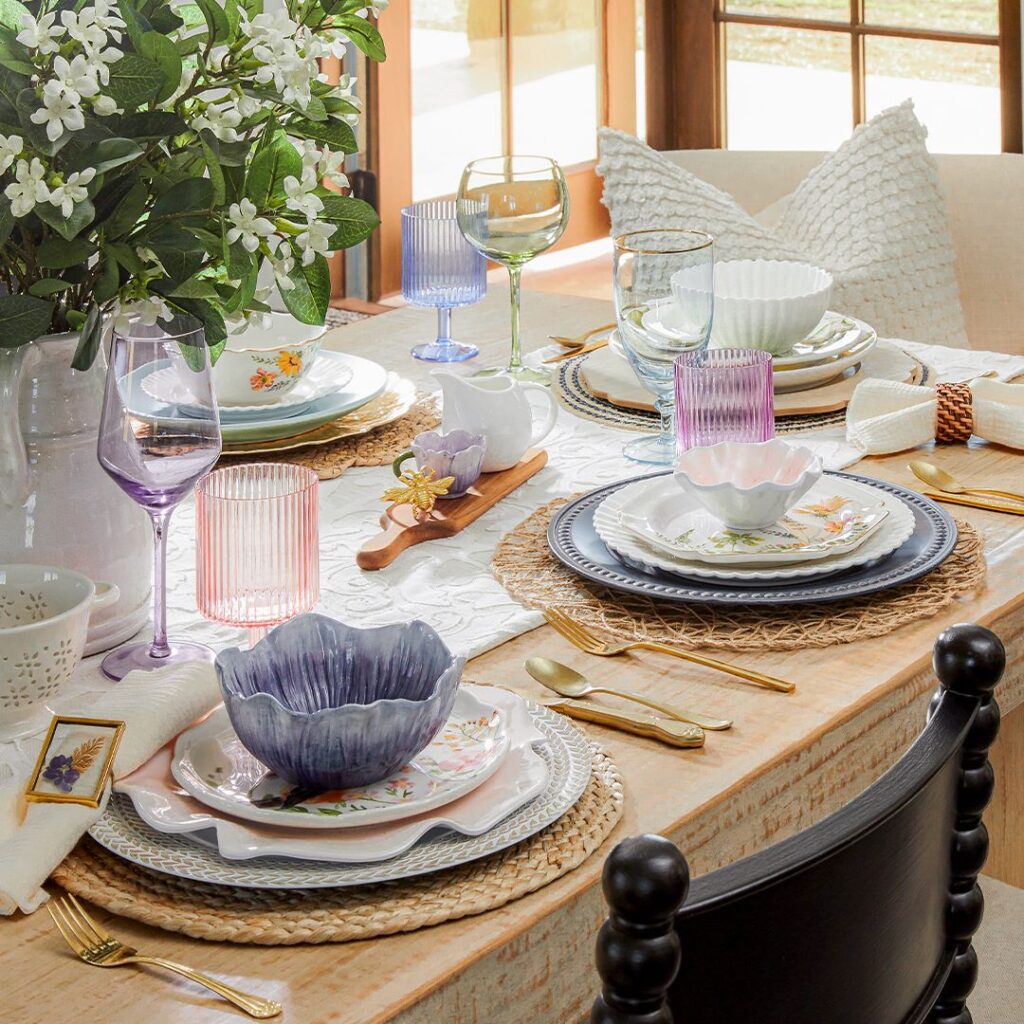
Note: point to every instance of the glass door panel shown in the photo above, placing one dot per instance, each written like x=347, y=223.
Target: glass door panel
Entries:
x=940, y=15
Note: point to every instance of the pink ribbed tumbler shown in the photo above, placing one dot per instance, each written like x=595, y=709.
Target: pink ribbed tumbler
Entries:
x=723, y=394
x=258, y=545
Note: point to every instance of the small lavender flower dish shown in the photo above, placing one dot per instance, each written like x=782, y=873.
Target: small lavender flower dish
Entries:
x=329, y=706
x=457, y=453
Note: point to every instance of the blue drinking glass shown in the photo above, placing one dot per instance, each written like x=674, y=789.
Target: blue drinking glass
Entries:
x=441, y=270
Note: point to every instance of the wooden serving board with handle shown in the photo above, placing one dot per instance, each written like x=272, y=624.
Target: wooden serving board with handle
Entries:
x=450, y=515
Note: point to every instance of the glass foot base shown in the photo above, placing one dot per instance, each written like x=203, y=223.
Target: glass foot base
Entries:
x=523, y=373
x=136, y=657
x=655, y=450
x=445, y=352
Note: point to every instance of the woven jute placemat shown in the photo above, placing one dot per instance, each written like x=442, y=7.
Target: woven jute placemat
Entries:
x=275, y=917
x=525, y=567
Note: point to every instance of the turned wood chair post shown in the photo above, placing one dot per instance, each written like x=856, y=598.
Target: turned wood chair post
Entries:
x=969, y=661
x=645, y=881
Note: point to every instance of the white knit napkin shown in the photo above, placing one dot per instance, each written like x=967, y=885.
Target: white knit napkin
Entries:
x=155, y=707
x=884, y=416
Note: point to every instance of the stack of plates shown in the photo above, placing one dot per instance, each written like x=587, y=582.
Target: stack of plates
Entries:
x=497, y=773
x=849, y=536
x=337, y=386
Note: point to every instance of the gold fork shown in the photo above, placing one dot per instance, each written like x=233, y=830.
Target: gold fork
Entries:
x=91, y=943
x=579, y=636
x=580, y=338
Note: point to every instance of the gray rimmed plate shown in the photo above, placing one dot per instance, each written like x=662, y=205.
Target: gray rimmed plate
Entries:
x=575, y=543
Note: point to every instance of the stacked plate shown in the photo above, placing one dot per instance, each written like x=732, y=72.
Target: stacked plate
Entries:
x=498, y=772
x=849, y=536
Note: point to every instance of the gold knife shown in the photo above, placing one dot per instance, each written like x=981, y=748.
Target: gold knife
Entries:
x=982, y=503
x=667, y=730
x=585, y=350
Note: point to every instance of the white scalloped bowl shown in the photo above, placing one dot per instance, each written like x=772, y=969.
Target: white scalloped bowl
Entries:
x=765, y=304
x=747, y=486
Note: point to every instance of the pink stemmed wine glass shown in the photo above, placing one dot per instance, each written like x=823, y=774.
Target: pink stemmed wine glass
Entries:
x=723, y=394
x=257, y=545
x=155, y=453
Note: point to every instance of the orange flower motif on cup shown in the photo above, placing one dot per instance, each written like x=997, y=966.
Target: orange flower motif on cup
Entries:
x=289, y=363
x=261, y=380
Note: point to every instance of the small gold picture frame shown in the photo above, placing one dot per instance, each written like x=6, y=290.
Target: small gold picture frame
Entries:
x=74, y=761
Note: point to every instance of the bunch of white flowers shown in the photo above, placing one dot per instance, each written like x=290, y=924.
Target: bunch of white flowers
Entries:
x=155, y=155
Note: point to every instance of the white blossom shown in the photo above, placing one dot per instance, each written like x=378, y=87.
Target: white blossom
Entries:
x=301, y=198
x=40, y=34
x=59, y=111
x=10, y=147
x=147, y=311
x=221, y=120
x=314, y=240
x=72, y=191
x=283, y=266
x=104, y=106
x=78, y=77
x=28, y=189
x=329, y=168
x=248, y=226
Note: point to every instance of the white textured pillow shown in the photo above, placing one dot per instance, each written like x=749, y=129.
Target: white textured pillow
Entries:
x=872, y=214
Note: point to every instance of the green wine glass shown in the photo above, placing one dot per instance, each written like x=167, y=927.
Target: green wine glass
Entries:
x=510, y=209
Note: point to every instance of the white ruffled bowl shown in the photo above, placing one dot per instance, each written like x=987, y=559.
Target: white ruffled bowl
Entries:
x=747, y=486
x=765, y=304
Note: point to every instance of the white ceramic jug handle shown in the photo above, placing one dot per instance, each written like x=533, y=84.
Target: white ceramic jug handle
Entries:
x=106, y=595
x=552, y=413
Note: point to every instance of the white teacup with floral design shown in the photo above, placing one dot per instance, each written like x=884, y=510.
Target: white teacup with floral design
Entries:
x=265, y=361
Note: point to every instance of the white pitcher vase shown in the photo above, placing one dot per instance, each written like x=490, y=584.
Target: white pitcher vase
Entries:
x=57, y=506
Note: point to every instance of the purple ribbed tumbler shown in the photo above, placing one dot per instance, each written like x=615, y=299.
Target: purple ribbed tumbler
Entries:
x=723, y=394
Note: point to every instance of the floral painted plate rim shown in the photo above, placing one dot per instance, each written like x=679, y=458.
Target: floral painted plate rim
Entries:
x=210, y=764
x=830, y=519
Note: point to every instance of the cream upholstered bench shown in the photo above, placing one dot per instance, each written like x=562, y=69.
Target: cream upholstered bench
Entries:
x=985, y=200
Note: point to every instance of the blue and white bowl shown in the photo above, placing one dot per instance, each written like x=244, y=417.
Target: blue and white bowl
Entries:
x=329, y=706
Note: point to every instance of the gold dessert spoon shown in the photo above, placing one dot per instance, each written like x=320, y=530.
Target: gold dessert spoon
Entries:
x=938, y=478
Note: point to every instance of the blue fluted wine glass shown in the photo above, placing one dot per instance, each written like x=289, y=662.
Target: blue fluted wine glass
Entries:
x=441, y=270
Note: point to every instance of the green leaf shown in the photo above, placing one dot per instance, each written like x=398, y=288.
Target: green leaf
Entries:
x=125, y=256
x=151, y=124
x=339, y=105
x=11, y=13
x=216, y=19
x=308, y=299
x=364, y=34
x=23, y=319
x=82, y=214
x=109, y=283
x=233, y=12
x=58, y=253
x=178, y=250
x=237, y=261
x=135, y=24
x=213, y=168
x=48, y=286
x=106, y=154
x=13, y=55
x=354, y=220
x=134, y=80
x=195, y=288
x=162, y=52
x=11, y=85
x=269, y=167
x=213, y=323
x=89, y=339
x=336, y=134
x=6, y=222
x=126, y=214
x=189, y=200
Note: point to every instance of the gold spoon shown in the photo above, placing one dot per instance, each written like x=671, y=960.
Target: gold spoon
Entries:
x=569, y=683
x=938, y=478
x=580, y=339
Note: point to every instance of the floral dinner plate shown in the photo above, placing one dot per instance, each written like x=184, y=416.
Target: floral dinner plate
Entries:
x=210, y=764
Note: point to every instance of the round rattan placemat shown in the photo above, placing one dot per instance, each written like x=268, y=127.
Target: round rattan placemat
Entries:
x=525, y=567
x=276, y=917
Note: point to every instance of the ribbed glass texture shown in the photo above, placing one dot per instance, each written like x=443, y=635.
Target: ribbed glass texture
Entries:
x=439, y=267
x=723, y=394
x=258, y=544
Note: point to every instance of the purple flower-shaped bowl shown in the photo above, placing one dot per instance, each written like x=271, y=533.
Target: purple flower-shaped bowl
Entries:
x=329, y=706
x=458, y=453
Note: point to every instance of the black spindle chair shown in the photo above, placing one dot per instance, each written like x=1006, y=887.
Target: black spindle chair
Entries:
x=864, y=918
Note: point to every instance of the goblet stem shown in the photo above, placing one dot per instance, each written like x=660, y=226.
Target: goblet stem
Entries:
x=516, y=362
x=160, y=648
x=444, y=326
x=666, y=406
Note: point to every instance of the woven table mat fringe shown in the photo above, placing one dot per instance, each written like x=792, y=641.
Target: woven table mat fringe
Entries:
x=378, y=447
x=275, y=917
x=524, y=566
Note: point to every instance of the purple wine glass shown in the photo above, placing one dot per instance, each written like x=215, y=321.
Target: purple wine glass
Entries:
x=155, y=453
x=723, y=394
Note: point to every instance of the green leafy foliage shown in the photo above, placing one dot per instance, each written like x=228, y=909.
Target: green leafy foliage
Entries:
x=308, y=299
x=22, y=318
x=270, y=166
x=354, y=220
x=164, y=54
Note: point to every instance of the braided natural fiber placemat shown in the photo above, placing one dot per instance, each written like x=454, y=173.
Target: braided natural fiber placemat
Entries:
x=525, y=567
x=276, y=917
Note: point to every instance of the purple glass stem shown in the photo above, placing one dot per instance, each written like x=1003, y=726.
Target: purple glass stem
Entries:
x=723, y=394
x=160, y=648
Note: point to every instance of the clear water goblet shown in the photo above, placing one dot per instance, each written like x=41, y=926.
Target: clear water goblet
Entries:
x=155, y=454
x=512, y=208
x=257, y=545
x=441, y=270
x=664, y=303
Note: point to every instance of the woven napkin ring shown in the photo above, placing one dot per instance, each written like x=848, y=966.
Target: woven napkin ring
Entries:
x=954, y=415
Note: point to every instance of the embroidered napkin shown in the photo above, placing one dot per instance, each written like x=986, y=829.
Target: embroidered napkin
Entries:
x=155, y=707
x=884, y=416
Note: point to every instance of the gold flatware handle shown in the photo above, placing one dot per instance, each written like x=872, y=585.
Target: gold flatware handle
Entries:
x=254, y=1006
x=988, y=506
x=578, y=341
x=1012, y=495
x=576, y=352
x=759, y=678
x=693, y=717
x=667, y=730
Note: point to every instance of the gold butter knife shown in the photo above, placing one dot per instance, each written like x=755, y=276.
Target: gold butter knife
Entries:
x=561, y=356
x=667, y=730
x=988, y=506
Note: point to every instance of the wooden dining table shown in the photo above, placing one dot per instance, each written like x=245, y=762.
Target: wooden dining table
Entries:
x=789, y=761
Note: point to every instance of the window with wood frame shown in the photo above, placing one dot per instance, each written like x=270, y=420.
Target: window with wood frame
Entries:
x=799, y=74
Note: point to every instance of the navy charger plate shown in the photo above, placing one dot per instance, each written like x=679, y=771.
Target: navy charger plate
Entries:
x=575, y=543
